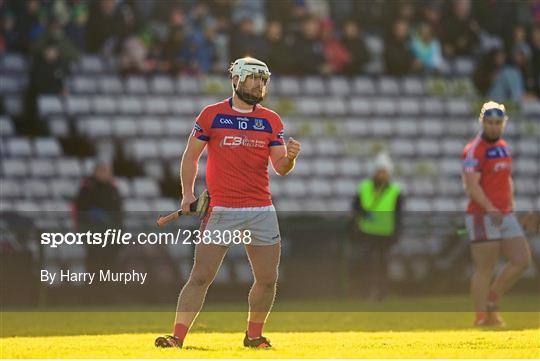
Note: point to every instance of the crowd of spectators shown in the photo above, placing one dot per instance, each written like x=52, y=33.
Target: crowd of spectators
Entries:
x=299, y=37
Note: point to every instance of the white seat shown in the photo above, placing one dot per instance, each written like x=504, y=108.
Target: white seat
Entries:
x=388, y=85
x=526, y=166
x=130, y=105
x=458, y=107
x=362, y=85
x=308, y=106
x=450, y=186
x=313, y=85
x=14, y=167
x=145, y=187
x=381, y=128
x=418, y=204
x=524, y=204
x=151, y=127
x=531, y=108
x=6, y=127
x=36, y=188
x=164, y=205
x=47, y=147
x=124, y=186
x=431, y=127
x=175, y=126
x=384, y=106
x=13, y=62
x=450, y=167
x=288, y=85
x=59, y=127
x=78, y=104
x=404, y=148
x=104, y=105
x=69, y=167
x=41, y=168
x=360, y=106
x=339, y=86
x=356, y=127
x=19, y=147
x=188, y=85
x=162, y=85
x=171, y=148
x=527, y=185
x=422, y=187
x=63, y=188
x=375, y=44
x=295, y=188
x=156, y=105
x=84, y=84
x=153, y=169
x=529, y=147
x=427, y=147
x=351, y=167
x=463, y=66
x=445, y=205
x=25, y=205
x=136, y=85
x=325, y=167
x=91, y=64
x=412, y=86
x=407, y=128
x=13, y=104
x=50, y=104
x=345, y=187
x=408, y=106
x=303, y=168
x=182, y=105
x=96, y=127
x=334, y=106
x=124, y=127
x=320, y=187
x=327, y=147
x=452, y=147
x=432, y=106
x=136, y=205
x=144, y=149
x=11, y=188
x=110, y=84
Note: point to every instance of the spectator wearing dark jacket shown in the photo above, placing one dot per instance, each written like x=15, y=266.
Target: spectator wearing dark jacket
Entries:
x=460, y=35
x=357, y=48
x=308, y=49
x=398, y=57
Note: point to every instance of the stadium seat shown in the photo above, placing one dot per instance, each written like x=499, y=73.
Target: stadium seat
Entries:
x=179, y=127
x=81, y=84
x=151, y=127
x=463, y=66
x=458, y=107
x=452, y=147
x=50, y=104
x=422, y=187
x=124, y=186
x=356, y=127
x=63, y=188
x=104, y=105
x=313, y=86
x=339, y=86
x=524, y=204
x=136, y=85
x=531, y=108
x=427, y=147
x=288, y=85
x=431, y=127
x=91, y=64
x=164, y=205
x=526, y=166
x=527, y=185
x=408, y=106
x=110, y=84
x=13, y=63
x=145, y=187
x=375, y=44
x=123, y=127
x=58, y=127
x=41, y=168
x=351, y=167
x=78, y=104
x=529, y=147
x=11, y=188
x=325, y=167
x=96, y=127
x=432, y=106
x=16, y=167
x=143, y=149
x=360, y=106
x=153, y=169
x=327, y=147
x=449, y=186
x=134, y=205
x=303, y=169
x=364, y=86
x=25, y=205
x=445, y=204
x=406, y=127
x=34, y=188
x=388, y=86
x=171, y=148
x=334, y=106
x=130, y=105
x=418, y=204
x=69, y=167
x=11, y=84
x=188, y=85
x=156, y=105
x=412, y=86
x=402, y=148
x=347, y=187
x=47, y=147
x=183, y=105
x=450, y=167
x=295, y=188
x=308, y=106
x=19, y=147
x=381, y=127
x=6, y=127
x=384, y=106
x=160, y=84
x=13, y=104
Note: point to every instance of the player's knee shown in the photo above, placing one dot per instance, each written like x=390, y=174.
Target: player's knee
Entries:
x=522, y=263
x=267, y=281
x=201, y=279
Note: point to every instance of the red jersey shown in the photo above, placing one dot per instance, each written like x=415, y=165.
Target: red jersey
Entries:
x=494, y=162
x=238, y=152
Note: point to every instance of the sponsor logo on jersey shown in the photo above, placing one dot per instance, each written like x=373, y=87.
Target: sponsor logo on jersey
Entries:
x=500, y=166
x=258, y=124
x=234, y=141
x=497, y=152
x=226, y=121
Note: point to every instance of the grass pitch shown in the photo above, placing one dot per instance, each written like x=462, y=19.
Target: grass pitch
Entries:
x=386, y=332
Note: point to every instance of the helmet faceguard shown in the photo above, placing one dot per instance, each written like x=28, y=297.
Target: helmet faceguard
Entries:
x=493, y=110
x=249, y=67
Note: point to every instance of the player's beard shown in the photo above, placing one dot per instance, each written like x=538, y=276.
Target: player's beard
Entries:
x=248, y=96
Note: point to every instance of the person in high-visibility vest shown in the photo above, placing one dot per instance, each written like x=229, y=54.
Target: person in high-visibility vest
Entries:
x=377, y=223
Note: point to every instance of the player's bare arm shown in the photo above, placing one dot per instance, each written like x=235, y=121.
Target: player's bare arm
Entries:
x=283, y=158
x=188, y=171
x=475, y=191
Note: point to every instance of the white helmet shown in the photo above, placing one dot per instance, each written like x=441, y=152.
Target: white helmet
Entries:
x=245, y=67
x=493, y=109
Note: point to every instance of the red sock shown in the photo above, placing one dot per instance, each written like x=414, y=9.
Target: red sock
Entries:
x=255, y=329
x=493, y=297
x=480, y=315
x=180, y=331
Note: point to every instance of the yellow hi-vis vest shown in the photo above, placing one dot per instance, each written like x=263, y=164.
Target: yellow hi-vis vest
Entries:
x=381, y=208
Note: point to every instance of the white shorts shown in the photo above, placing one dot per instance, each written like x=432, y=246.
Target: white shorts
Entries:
x=256, y=226
x=481, y=228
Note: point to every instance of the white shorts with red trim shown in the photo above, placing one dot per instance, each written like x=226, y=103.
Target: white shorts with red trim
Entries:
x=481, y=228
x=257, y=226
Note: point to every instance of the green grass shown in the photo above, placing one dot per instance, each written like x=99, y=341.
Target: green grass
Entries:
x=330, y=330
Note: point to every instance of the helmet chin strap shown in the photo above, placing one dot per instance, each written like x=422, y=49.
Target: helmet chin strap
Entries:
x=247, y=98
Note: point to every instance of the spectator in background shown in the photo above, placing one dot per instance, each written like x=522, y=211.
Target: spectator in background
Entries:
x=199, y=51
x=431, y=14
x=54, y=35
x=496, y=80
x=308, y=50
x=176, y=37
x=276, y=46
x=460, y=37
x=521, y=58
x=9, y=39
x=29, y=25
x=356, y=47
x=377, y=212
x=398, y=57
x=427, y=49
x=535, y=56
x=336, y=55
x=245, y=42
x=75, y=28
x=104, y=23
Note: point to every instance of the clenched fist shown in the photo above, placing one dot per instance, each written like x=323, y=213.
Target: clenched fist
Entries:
x=293, y=148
